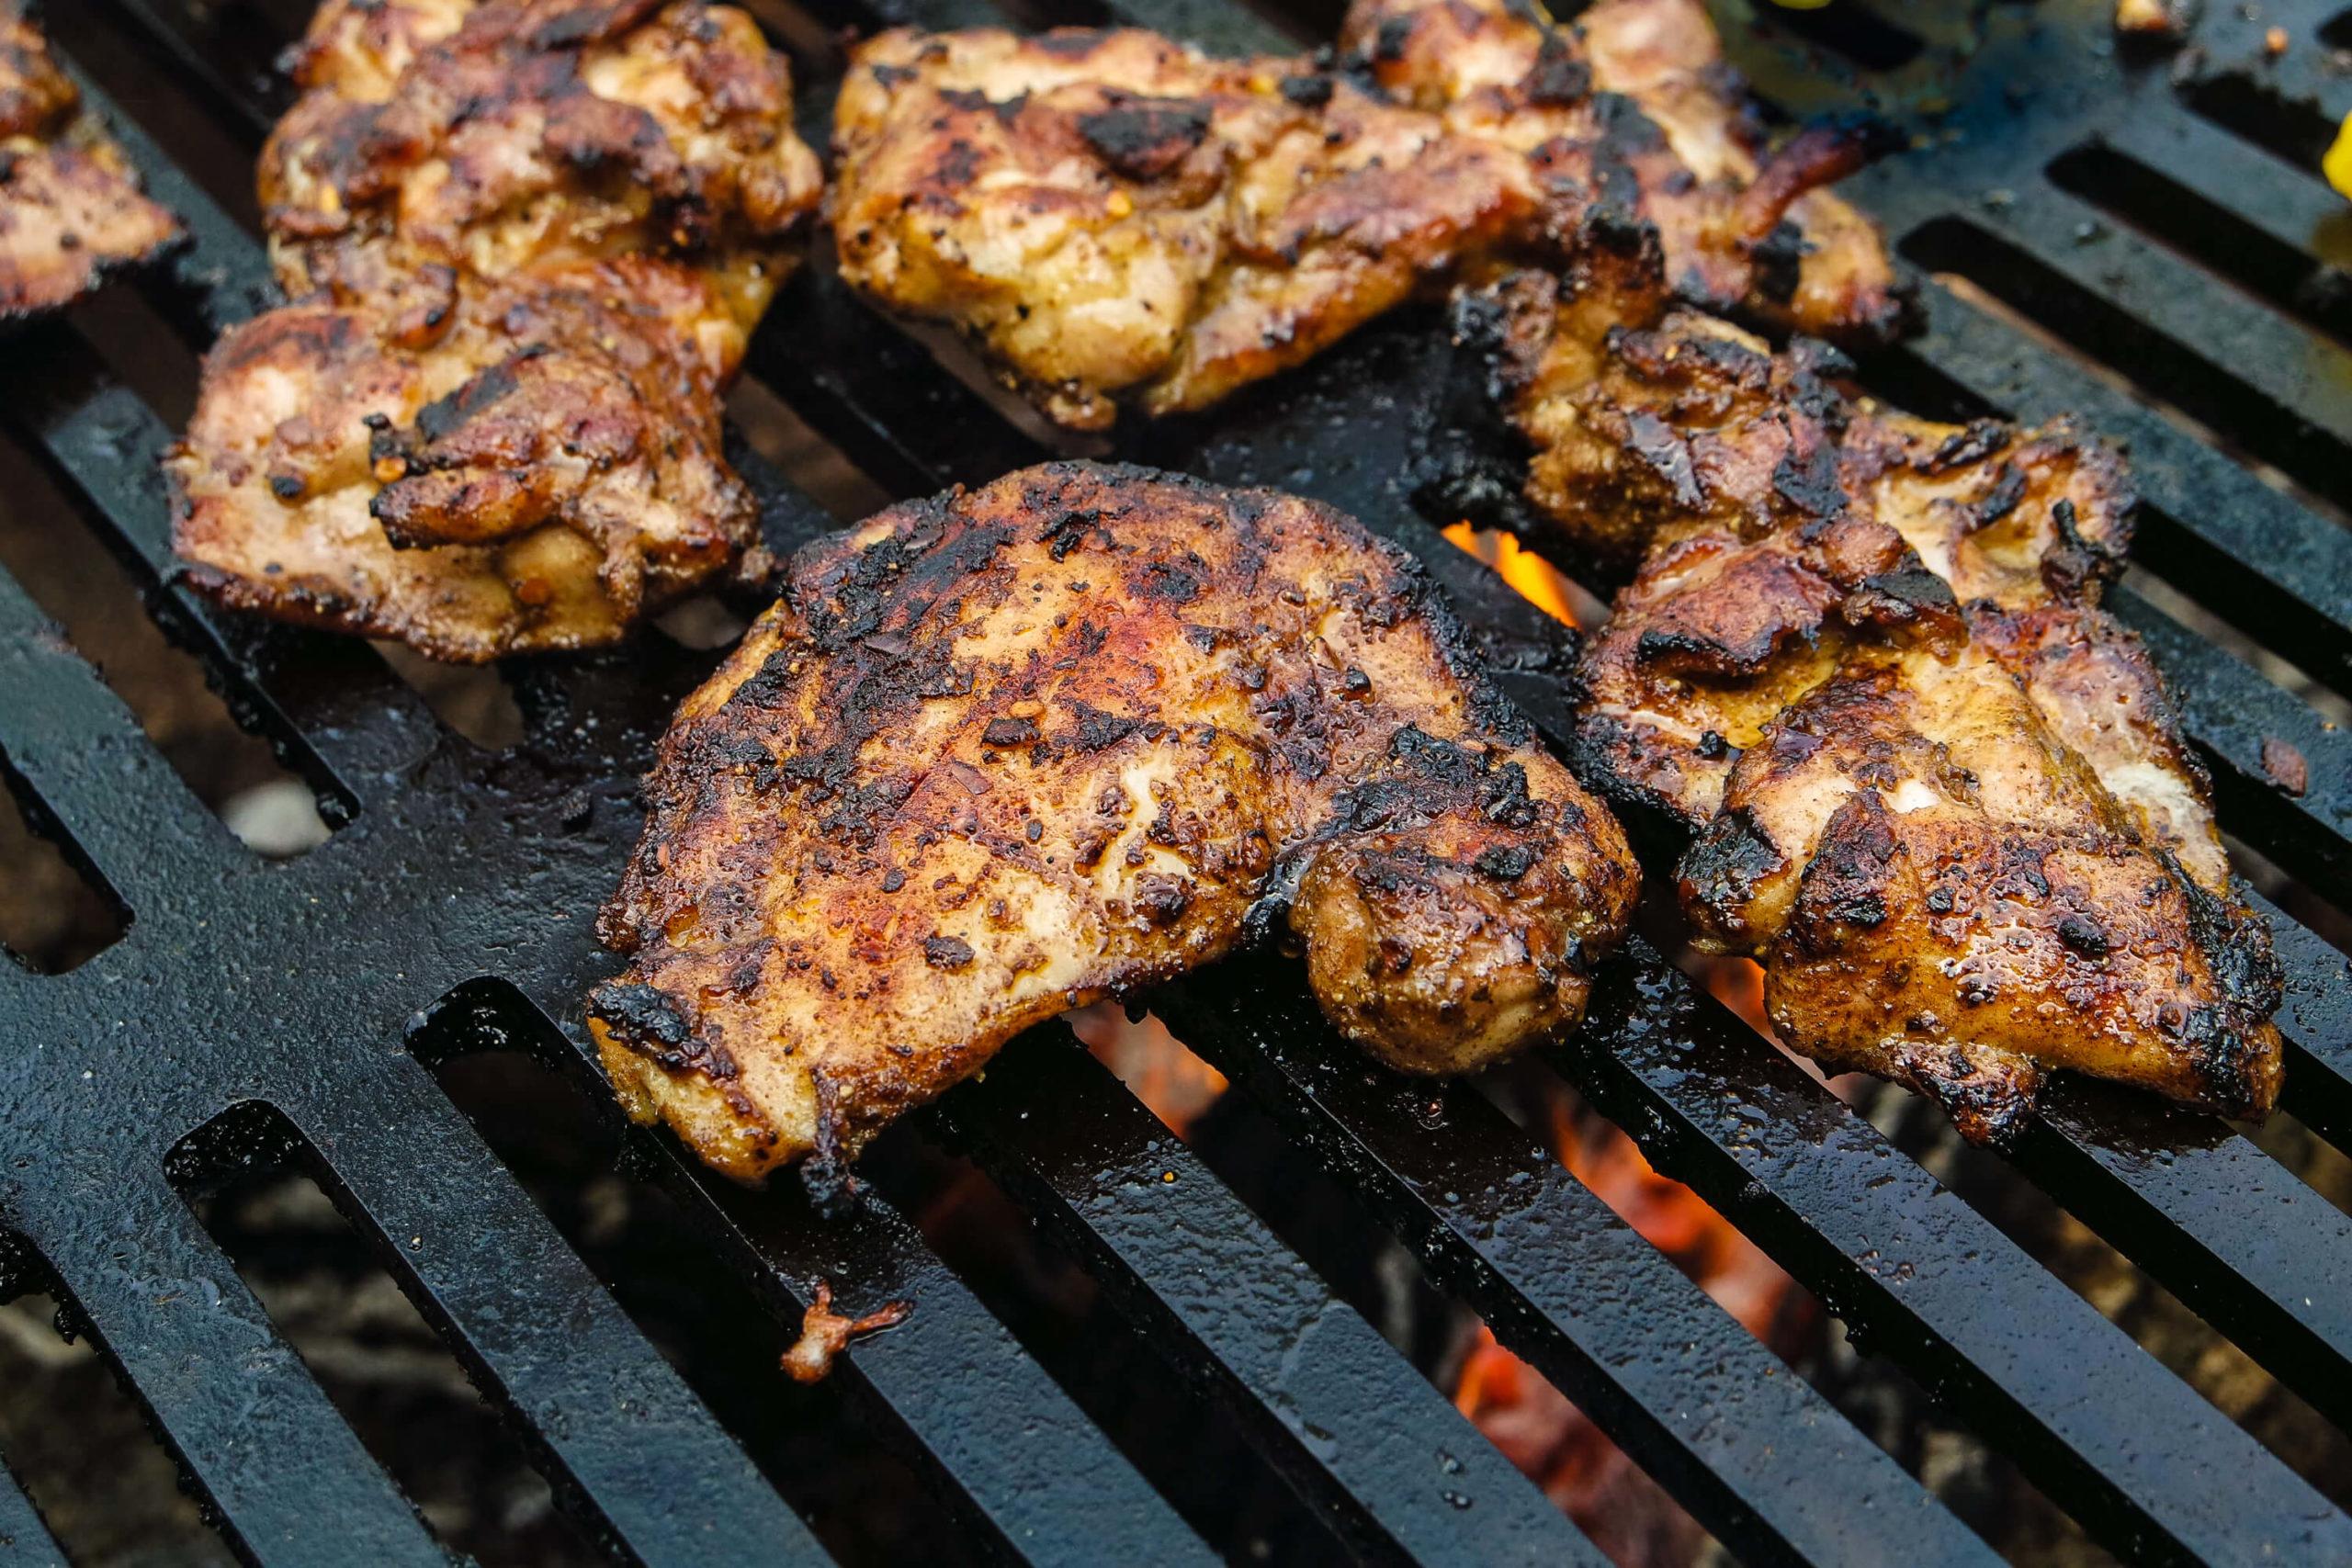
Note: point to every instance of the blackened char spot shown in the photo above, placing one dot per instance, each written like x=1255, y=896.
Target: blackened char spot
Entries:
x=1724, y=865
x=1164, y=580
x=1009, y=732
x=2009, y=489
x=1006, y=110
x=947, y=951
x=1142, y=139
x=1505, y=862
x=647, y=1021
x=438, y=418
x=2082, y=934
x=1557, y=78
x=1979, y=440
x=1308, y=92
x=1811, y=483
x=1097, y=729
x=1779, y=258
x=1068, y=531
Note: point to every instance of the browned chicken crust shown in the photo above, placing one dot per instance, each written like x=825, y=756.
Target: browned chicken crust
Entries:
x=70, y=206
x=528, y=240
x=1934, y=788
x=1000, y=753
x=1115, y=217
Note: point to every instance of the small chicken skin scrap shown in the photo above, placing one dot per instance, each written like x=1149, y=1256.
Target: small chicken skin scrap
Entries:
x=1932, y=785
x=1004, y=752
x=1113, y=217
x=526, y=242
x=70, y=207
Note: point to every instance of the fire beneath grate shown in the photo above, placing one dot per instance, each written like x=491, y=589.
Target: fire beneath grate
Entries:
x=306, y=1155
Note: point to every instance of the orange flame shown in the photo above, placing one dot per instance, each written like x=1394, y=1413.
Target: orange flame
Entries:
x=1739, y=984
x=1535, y=1424
x=1537, y=579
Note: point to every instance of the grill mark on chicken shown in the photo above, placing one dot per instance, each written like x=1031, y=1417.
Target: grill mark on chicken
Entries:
x=859, y=878
x=1929, y=783
x=71, y=210
x=526, y=242
x=1115, y=218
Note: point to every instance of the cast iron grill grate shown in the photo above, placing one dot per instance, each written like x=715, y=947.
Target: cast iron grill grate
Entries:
x=2083, y=197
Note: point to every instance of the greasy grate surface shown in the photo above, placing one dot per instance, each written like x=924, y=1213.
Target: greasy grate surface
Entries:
x=2142, y=211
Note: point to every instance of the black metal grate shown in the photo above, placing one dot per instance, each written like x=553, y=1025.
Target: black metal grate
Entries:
x=2134, y=207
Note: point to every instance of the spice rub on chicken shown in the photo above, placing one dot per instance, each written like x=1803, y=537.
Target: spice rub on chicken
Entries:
x=70, y=206
x=1000, y=753
x=1113, y=217
x=1933, y=786
x=526, y=242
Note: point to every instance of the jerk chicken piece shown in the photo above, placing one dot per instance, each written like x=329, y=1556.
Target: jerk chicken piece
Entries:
x=1934, y=788
x=1113, y=215
x=1001, y=753
x=1740, y=229
x=526, y=241
x=70, y=206
x=437, y=141
x=542, y=471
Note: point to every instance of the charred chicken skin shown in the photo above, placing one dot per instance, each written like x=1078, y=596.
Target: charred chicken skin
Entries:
x=70, y=207
x=1934, y=788
x=1001, y=753
x=526, y=241
x=1115, y=217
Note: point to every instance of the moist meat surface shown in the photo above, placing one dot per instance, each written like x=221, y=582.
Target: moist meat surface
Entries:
x=70, y=207
x=999, y=754
x=1115, y=217
x=526, y=242
x=1934, y=787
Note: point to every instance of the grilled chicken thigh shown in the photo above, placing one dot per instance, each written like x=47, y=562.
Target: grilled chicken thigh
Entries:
x=526, y=242
x=1113, y=215
x=1000, y=753
x=535, y=475
x=1740, y=229
x=443, y=142
x=1934, y=786
x=70, y=206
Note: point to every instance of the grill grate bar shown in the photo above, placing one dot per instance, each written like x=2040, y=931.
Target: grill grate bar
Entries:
x=2139, y=1457
x=2235, y=1236
x=1769, y=1467
x=2254, y=191
x=2245, y=355
x=949, y=1388
x=537, y=1330
x=24, y=1541
x=82, y=753
x=286, y=1478
x=1346, y=1420
x=2317, y=1024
